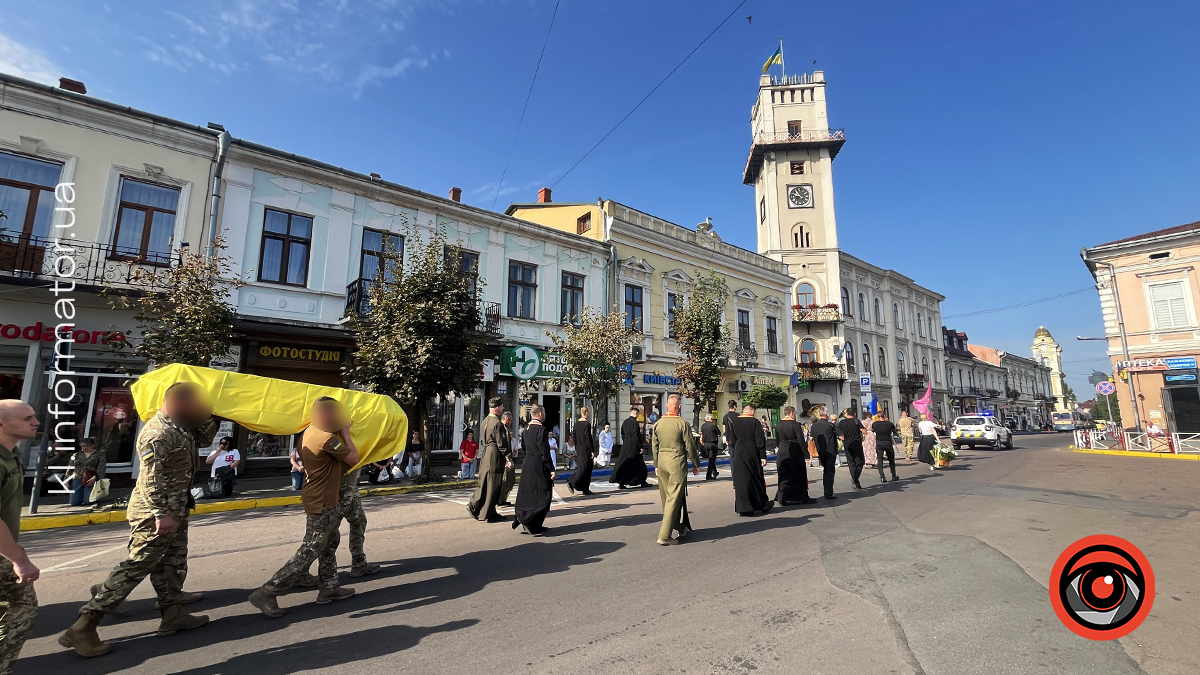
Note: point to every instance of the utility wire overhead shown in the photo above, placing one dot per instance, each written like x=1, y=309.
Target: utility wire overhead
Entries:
x=1022, y=304
x=647, y=96
x=525, y=107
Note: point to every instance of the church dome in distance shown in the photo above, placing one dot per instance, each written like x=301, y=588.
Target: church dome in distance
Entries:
x=1041, y=332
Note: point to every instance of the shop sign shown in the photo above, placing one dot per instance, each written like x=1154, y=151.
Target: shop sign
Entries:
x=1180, y=362
x=300, y=353
x=1144, y=365
x=760, y=380
x=655, y=378
x=45, y=332
x=228, y=361
x=526, y=363
x=1180, y=376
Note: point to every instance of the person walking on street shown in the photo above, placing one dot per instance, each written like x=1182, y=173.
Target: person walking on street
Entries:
x=673, y=444
x=350, y=509
x=497, y=448
x=18, y=422
x=929, y=441
x=514, y=456
x=167, y=448
x=906, y=425
x=629, y=470
x=536, y=491
x=792, y=481
x=727, y=425
x=709, y=435
x=884, y=429
x=850, y=432
x=869, y=458
x=585, y=454
x=606, y=446
x=824, y=436
x=89, y=468
x=749, y=457
x=327, y=450
x=467, y=454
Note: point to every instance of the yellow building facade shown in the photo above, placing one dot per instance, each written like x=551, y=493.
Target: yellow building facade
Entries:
x=653, y=263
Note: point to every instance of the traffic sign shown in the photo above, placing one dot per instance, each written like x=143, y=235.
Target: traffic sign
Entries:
x=864, y=382
x=1105, y=388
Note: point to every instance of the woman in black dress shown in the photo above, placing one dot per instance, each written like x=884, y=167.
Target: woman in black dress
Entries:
x=536, y=489
x=789, y=461
x=749, y=458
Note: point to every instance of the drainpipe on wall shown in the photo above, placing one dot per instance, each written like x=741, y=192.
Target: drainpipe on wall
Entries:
x=223, y=139
x=610, y=295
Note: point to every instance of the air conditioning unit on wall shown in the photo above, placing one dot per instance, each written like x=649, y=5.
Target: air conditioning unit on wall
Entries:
x=739, y=386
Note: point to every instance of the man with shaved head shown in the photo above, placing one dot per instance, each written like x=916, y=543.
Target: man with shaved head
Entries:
x=18, y=422
x=167, y=448
x=673, y=444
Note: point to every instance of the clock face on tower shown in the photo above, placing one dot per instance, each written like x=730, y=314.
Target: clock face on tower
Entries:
x=800, y=196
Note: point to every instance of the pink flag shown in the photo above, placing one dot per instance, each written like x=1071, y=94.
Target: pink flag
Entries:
x=922, y=404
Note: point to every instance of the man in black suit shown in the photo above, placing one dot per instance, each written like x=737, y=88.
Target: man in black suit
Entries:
x=629, y=470
x=823, y=433
x=727, y=423
x=709, y=433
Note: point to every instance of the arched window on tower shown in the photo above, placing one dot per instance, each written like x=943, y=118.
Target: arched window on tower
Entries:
x=805, y=296
x=801, y=236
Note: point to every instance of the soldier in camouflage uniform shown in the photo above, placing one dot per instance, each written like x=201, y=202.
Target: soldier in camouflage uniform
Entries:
x=350, y=508
x=18, y=602
x=158, y=519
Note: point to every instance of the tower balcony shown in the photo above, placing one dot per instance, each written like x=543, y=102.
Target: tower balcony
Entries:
x=816, y=314
x=821, y=371
x=768, y=141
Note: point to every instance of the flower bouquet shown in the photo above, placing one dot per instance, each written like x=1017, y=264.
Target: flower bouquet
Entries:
x=943, y=453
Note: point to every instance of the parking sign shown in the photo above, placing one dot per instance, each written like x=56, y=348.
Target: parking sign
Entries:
x=1105, y=388
x=864, y=381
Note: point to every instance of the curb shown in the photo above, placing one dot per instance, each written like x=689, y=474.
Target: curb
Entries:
x=1131, y=453
x=34, y=523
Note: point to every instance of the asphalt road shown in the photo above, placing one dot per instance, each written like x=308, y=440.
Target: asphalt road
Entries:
x=940, y=573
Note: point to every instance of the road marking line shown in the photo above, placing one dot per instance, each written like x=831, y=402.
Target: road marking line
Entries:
x=93, y=555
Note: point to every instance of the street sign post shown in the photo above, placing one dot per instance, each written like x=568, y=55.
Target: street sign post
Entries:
x=1105, y=388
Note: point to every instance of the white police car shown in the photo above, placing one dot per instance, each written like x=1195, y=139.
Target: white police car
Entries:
x=976, y=430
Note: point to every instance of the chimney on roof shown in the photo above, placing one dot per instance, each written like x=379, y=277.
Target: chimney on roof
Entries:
x=544, y=196
x=455, y=194
x=68, y=84
x=375, y=176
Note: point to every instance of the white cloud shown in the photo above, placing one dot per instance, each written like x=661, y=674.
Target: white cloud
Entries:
x=17, y=59
x=372, y=75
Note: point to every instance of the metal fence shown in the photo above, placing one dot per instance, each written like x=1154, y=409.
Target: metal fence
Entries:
x=1186, y=443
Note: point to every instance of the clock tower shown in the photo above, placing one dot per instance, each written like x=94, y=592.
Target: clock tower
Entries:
x=1048, y=352
x=791, y=168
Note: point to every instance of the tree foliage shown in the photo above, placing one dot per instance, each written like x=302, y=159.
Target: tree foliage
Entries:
x=1102, y=410
x=184, y=314
x=766, y=397
x=596, y=355
x=703, y=339
x=421, y=337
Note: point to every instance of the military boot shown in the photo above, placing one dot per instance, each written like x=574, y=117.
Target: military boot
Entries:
x=82, y=636
x=184, y=598
x=363, y=569
x=174, y=619
x=265, y=602
x=328, y=595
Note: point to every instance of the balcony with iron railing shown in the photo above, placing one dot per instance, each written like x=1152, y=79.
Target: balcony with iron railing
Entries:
x=821, y=371
x=27, y=259
x=743, y=356
x=358, y=302
x=767, y=141
x=816, y=314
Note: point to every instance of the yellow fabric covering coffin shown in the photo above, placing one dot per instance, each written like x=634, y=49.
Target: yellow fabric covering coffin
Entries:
x=280, y=407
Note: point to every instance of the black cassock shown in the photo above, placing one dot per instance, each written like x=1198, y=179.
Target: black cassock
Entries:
x=789, y=460
x=630, y=468
x=585, y=456
x=536, y=490
x=749, y=449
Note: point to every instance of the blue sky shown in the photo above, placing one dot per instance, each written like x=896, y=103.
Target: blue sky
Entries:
x=986, y=142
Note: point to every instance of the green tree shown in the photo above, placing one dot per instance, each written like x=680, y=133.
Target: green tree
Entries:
x=1107, y=408
x=420, y=337
x=703, y=340
x=766, y=397
x=184, y=314
x=596, y=355
x=1069, y=396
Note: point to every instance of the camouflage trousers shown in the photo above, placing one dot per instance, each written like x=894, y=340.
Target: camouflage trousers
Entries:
x=321, y=539
x=18, y=603
x=161, y=557
x=907, y=440
x=350, y=508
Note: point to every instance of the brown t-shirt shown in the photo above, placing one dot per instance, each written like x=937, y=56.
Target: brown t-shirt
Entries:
x=321, y=453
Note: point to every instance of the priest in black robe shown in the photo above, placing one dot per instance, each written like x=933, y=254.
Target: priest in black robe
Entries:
x=585, y=454
x=749, y=458
x=629, y=469
x=536, y=489
x=792, y=473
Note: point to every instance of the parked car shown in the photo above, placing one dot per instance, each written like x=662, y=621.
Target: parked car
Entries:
x=974, y=430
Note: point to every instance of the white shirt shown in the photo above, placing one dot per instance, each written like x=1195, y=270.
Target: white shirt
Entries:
x=225, y=459
x=1153, y=430
x=927, y=428
x=606, y=440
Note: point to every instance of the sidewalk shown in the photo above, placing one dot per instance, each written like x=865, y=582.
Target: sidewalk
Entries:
x=54, y=511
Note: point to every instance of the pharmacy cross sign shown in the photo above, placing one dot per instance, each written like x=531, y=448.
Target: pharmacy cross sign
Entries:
x=1105, y=388
x=525, y=363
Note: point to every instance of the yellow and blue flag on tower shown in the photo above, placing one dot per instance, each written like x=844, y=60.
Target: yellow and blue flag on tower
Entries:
x=777, y=57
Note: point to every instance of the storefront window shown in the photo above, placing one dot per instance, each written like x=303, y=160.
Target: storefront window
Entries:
x=261, y=445
x=440, y=422
x=114, y=420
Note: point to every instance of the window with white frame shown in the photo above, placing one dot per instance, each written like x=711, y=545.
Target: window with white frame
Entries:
x=634, y=305
x=673, y=307
x=772, y=335
x=849, y=351
x=1168, y=305
x=743, y=328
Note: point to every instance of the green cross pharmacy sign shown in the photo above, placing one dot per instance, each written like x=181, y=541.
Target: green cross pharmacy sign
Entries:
x=526, y=363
